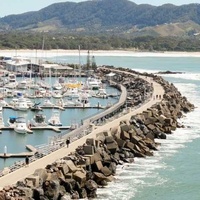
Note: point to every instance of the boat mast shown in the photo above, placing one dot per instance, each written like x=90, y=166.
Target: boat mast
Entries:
x=79, y=61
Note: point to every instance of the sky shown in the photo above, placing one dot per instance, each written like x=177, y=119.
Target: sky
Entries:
x=20, y=6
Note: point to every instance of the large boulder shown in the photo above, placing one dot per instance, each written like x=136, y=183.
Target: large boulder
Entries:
x=106, y=171
x=88, y=149
x=34, y=179
x=80, y=177
x=71, y=166
x=42, y=173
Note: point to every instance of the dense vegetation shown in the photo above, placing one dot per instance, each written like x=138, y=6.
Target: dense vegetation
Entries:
x=101, y=16
x=27, y=40
x=104, y=25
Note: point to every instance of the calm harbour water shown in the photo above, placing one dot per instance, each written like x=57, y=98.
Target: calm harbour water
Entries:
x=173, y=172
x=16, y=143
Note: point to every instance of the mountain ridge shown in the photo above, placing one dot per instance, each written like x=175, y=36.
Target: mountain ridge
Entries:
x=105, y=16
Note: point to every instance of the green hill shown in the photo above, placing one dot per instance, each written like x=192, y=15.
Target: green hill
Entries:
x=108, y=16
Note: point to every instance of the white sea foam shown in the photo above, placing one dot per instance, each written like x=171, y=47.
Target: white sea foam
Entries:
x=145, y=70
x=144, y=172
x=186, y=76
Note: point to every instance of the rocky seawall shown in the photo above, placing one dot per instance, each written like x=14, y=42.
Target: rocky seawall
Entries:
x=94, y=164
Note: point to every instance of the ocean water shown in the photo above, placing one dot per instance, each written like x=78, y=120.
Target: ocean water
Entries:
x=173, y=172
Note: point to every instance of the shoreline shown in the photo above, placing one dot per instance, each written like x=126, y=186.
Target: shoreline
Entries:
x=111, y=138
x=126, y=53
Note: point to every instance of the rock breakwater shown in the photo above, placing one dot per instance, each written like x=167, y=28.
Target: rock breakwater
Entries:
x=94, y=164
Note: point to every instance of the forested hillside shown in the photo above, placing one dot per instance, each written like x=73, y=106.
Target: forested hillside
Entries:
x=109, y=16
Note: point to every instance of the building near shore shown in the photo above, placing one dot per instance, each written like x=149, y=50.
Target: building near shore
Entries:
x=55, y=69
x=20, y=64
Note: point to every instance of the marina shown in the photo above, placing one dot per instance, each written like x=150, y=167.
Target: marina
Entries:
x=72, y=116
x=75, y=136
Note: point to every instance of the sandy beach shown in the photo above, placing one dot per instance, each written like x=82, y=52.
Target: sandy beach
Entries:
x=60, y=52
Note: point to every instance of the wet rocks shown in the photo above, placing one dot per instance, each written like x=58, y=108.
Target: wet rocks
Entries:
x=94, y=164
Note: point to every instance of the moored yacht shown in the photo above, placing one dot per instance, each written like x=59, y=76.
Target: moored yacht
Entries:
x=47, y=103
x=57, y=86
x=11, y=81
x=101, y=93
x=82, y=101
x=55, y=119
x=20, y=125
x=22, y=104
x=38, y=120
x=93, y=83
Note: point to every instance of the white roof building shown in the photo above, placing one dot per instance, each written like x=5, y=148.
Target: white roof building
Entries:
x=17, y=64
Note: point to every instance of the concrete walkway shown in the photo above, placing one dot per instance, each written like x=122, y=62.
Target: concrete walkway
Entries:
x=24, y=172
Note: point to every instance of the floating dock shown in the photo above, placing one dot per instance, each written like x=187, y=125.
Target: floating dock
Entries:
x=53, y=128
x=11, y=128
x=32, y=150
x=60, y=107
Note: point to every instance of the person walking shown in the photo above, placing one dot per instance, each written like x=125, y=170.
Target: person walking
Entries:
x=27, y=161
x=67, y=142
x=5, y=151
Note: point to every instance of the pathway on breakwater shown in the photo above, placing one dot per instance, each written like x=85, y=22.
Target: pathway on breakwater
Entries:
x=23, y=172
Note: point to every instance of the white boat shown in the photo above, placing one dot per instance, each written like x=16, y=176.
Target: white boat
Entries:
x=22, y=85
x=101, y=93
x=11, y=81
x=38, y=120
x=57, y=94
x=34, y=86
x=1, y=118
x=3, y=91
x=29, y=102
x=45, y=85
x=20, y=125
x=3, y=102
x=93, y=83
x=72, y=93
x=55, y=119
x=9, y=94
x=22, y=104
x=31, y=96
x=60, y=102
x=13, y=102
x=47, y=103
x=68, y=103
x=82, y=101
x=57, y=86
